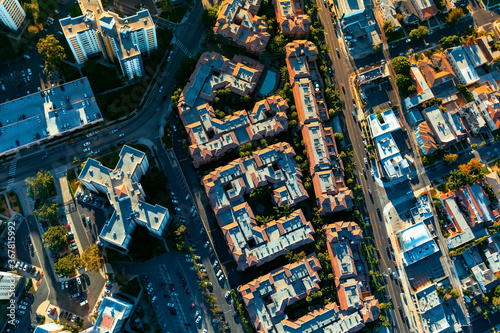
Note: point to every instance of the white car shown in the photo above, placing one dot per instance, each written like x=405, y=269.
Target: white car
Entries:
x=78, y=280
x=86, y=150
x=198, y=319
x=218, y=273
x=189, y=260
x=366, y=161
x=161, y=89
x=206, y=245
x=29, y=71
x=170, y=305
x=175, y=201
x=86, y=144
x=62, y=285
x=227, y=294
x=177, y=209
x=121, y=135
x=187, y=197
x=221, y=277
x=215, y=263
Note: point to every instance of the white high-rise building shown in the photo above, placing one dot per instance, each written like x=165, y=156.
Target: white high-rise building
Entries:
x=12, y=14
x=121, y=39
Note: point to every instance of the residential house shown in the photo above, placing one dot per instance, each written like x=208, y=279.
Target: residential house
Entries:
x=425, y=139
x=456, y=124
x=388, y=11
x=471, y=113
x=484, y=45
x=126, y=196
x=442, y=131
x=291, y=18
x=494, y=181
x=435, y=77
x=423, y=92
x=461, y=65
x=425, y=9
x=239, y=23
x=488, y=104
x=485, y=278
x=492, y=255
x=457, y=227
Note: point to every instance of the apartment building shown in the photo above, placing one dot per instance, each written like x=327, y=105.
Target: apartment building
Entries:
x=430, y=307
x=9, y=285
x=252, y=244
x=326, y=169
x=126, y=196
x=239, y=23
x=388, y=11
x=113, y=313
x=291, y=18
x=425, y=139
x=475, y=55
x=351, y=272
x=99, y=31
x=394, y=165
x=456, y=124
x=294, y=282
x=301, y=58
x=485, y=278
x=423, y=93
x=461, y=65
x=12, y=14
x=425, y=9
x=415, y=243
x=439, y=125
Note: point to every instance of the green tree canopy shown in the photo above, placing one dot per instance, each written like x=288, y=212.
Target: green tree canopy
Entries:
x=67, y=265
x=454, y=293
x=47, y=214
x=401, y=65
x=388, y=27
x=455, y=15
x=91, y=258
x=40, y=186
x=56, y=238
x=52, y=51
x=403, y=81
x=450, y=41
x=419, y=32
x=450, y=158
x=209, y=17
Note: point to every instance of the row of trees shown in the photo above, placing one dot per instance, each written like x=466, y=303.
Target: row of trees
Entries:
x=401, y=66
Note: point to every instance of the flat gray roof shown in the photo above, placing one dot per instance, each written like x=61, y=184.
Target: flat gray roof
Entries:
x=32, y=118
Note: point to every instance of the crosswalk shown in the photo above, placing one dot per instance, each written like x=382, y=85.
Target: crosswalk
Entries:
x=183, y=48
x=12, y=172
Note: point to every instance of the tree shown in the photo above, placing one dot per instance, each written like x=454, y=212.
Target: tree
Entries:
x=338, y=136
x=450, y=41
x=455, y=15
x=209, y=17
x=376, y=47
x=39, y=187
x=403, y=81
x=67, y=265
x=56, y=238
x=440, y=291
x=411, y=89
x=450, y=158
x=47, y=214
x=388, y=27
x=401, y=65
x=32, y=10
x=454, y=293
x=180, y=231
x=419, y=32
x=91, y=258
x=52, y=51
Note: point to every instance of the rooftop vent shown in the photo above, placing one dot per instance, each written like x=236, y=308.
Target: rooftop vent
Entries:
x=145, y=21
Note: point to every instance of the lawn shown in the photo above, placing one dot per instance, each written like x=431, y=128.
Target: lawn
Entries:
x=176, y=15
x=121, y=102
x=144, y=246
x=73, y=182
x=4, y=209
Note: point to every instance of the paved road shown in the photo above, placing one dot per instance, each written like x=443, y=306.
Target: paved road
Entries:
x=343, y=69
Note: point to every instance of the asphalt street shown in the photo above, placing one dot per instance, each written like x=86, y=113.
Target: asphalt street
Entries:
x=352, y=135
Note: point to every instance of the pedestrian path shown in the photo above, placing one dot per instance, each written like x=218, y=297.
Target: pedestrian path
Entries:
x=12, y=173
x=183, y=48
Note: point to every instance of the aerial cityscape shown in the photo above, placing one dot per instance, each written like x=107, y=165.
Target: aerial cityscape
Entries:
x=258, y=166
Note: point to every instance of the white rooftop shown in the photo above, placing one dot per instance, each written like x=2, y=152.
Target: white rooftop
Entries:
x=465, y=67
x=439, y=125
x=390, y=123
x=415, y=243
